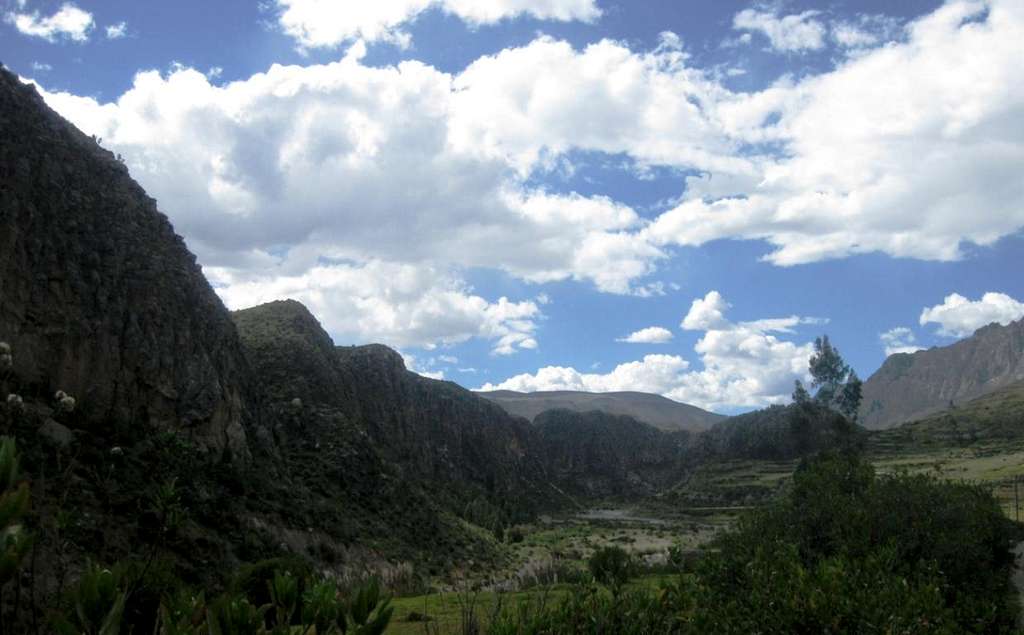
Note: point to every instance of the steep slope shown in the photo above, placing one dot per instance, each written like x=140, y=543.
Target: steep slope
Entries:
x=596, y=454
x=98, y=296
x=464, y=450
x=996, y=415
x=654, y=410
x=774, y=433
x=911, y=386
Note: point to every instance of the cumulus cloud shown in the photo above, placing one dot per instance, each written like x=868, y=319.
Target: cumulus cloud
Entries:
x=327, y=23
x=395, y=304
x=706, y=313
x=745, y=364
x=654, y=374
x=790, y=33
x=407, y=165
x=864, y=31
x=649, y=335
x=899, y=340
x=69, y=22
x=604, y=98
x=117, y=31
x=361, y=159
x=959, y=317
x=927, y=126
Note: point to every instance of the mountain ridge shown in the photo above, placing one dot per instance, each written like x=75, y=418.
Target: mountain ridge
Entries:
x=911, y=386
x=656, y=410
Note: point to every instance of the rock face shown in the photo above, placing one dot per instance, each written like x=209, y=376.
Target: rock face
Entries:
x=435, y=434
x=98, y=296
x=596, y=454
x=654, y=410
x=911, y=386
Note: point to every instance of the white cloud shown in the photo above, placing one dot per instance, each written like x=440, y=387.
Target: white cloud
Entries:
x=329, y=23
x=654, y=374
x=410, y=165
x=395, y=304
x=959, y=317
x=649, y=335
x=361, y=159
x=117, y=31
x=604, y=98
x=745, y=365
x=927, y=126
x=41, y=67
x=413, y=363
x=899, y=340
x=706, y=313
x=791, y=33
x=865, y=31
x=69, y=22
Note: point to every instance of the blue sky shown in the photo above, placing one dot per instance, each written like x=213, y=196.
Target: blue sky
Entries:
x=505, y=190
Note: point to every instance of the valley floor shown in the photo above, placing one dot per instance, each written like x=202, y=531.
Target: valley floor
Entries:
x=547, y=557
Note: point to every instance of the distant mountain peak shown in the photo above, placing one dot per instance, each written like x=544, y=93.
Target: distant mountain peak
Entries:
x=909, y=386
x=655, y=410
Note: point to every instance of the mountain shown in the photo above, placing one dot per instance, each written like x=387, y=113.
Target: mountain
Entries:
x=99, y=297
x=595, y=454
x=655, y=410
x=464, y=449
x=912, y=386
x=995, y=415
x=266, y=439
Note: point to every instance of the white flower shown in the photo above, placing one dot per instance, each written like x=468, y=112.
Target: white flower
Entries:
x=67, y=402
x=15, y=401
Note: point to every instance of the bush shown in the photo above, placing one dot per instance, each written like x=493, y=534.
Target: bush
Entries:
x=611, y=566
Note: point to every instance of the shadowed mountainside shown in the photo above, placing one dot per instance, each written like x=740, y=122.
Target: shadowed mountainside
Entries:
x=596, y=454
x=431, y=431
x=654, y=410
x=912, y=386
x=98, y=296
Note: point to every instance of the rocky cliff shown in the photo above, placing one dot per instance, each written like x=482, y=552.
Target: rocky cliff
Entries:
x=432, y=434
x=596, y=454
x=98, y=296
x=911, y=386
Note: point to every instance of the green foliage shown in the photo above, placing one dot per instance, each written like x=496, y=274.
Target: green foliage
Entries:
x=612, y=566
x=590, y=610
x=921, y=551
x=14, y=502
x=255, y=580
x=369, y=611
x=837, y=384
x=845, y=551
x=236, y=616
x=98, y=602
x=322, y=610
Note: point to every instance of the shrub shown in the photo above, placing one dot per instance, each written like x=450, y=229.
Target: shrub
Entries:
x=611, y=566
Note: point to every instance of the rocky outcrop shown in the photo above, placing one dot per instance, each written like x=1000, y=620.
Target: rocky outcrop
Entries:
x=653, y=410
x=596, y=454
x=433, y=434
x=98, y=296
x=911, y=386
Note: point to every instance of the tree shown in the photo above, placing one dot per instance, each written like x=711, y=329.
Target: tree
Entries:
x=837, y=385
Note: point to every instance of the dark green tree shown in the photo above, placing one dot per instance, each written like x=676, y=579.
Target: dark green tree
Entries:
x=837, y=385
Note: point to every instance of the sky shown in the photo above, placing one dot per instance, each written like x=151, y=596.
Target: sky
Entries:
x=658, y=195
